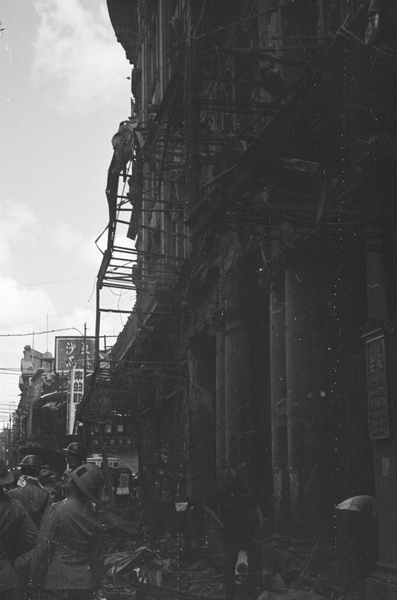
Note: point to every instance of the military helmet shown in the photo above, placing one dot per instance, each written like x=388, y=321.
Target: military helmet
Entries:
x=89, y=480
x=75, y=448
x=31, y=460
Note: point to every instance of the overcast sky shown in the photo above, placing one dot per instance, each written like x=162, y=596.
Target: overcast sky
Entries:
x=63, y=92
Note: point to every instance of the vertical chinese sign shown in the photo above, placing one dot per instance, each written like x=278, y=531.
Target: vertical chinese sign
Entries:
x=75, y=396
x=378, y=407
x=76, y=357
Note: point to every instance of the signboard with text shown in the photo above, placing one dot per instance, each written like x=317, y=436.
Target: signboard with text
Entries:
x=378, y=406
x=74, y=352
x=75, y=396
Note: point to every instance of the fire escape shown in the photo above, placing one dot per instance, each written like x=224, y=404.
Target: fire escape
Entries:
x=146, y=249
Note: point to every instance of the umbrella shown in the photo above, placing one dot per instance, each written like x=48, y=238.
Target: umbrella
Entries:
x=362, y=504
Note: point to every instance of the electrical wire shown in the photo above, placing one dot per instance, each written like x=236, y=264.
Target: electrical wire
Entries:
x=38, y=332
x=12, y=287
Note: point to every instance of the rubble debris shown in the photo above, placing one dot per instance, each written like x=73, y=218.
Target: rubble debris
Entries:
x=291, y=595
x=291, y=569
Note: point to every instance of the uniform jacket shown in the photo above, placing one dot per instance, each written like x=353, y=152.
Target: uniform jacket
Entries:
x=34, y=498
x=69, y=553
x=17, y=536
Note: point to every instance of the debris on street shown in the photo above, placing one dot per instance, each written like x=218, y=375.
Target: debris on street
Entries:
x=291, y=569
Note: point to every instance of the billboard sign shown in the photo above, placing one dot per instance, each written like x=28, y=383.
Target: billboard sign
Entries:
x=74, y=352
x=75, y=396
x=378, y=402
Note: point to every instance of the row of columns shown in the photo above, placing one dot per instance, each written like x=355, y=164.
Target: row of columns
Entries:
x=305, y=442
x=297, y=378
x=300, y=379
x=233, y=390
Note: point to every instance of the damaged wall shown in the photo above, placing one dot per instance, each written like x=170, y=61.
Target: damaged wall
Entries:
x=272, y=131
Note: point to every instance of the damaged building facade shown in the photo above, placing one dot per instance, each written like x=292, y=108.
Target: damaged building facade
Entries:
x=255, y=185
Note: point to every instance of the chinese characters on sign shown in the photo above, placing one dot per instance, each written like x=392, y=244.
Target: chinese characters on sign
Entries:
x=378, y=411
x=75, y=396
x=74, y=352
x=115, y=441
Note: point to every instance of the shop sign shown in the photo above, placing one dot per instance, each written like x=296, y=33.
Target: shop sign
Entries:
x=74, y=397
x=74, y=352
x=125, y=441
x=378, y=406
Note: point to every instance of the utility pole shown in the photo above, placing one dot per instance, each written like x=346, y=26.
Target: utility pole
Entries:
x=85, y=353
x=29, y=400
x=97, y=324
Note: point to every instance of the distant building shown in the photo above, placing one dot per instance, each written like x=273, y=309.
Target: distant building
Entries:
x=40, y=415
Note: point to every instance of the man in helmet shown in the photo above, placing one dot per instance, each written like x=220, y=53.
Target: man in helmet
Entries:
x=68, y=556
x=75, y=456
x=17, y=536
x=34, y=497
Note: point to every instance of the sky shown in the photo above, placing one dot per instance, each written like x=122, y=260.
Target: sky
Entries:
x=64, y=89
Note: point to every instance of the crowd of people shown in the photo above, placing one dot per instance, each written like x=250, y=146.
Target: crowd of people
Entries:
x=50, y=537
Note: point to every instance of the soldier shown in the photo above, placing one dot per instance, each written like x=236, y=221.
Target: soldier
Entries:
x=34, y=497
x=17, y=536
x=75, y=455
x=68, y=557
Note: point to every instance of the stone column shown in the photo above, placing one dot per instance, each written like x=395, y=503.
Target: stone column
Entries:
x=220, y=400
x=278, y=382
x=237, y=372
x=306, y=365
